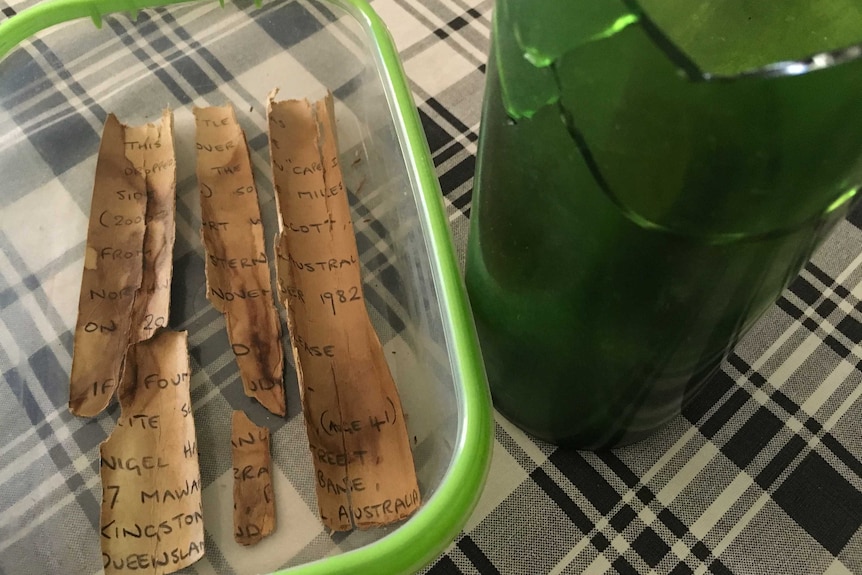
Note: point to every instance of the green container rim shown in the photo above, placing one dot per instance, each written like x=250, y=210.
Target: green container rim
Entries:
x=420, y=539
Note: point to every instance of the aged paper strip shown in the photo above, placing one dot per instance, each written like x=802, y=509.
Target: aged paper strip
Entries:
x=125, y=287
x=151, y=518
x=358, y=438
x=151, y=146
x=253, y=497
x=237, y=269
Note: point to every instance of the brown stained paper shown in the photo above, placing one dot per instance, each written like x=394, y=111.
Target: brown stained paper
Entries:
x=253, y=498
x=151, y=519
x=237, y=270
x=151, y=149
x=364, y=472
x=112, y=274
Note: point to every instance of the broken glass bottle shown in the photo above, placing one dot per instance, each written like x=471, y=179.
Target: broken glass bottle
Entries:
x=651, y=175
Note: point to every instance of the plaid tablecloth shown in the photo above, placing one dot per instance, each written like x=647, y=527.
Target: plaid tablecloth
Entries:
x=762, y=474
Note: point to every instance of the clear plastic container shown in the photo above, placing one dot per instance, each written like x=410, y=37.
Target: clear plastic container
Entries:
x=194, y=55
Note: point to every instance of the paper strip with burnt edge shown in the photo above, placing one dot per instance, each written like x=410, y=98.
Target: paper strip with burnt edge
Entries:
x=125, y=286
x=151, y=518
x=253, y=497
x=237, y=270
x=364, y=473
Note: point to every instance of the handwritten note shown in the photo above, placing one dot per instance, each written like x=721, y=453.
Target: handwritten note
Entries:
x=237, y=269
x=151, y=518
x=151, y=149
x=125, y=287
x=253, y=497
x=364, y=473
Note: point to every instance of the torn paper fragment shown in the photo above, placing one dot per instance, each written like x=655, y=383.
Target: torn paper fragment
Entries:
x=113, y=264
x=364, y=472
x=128, y=263
x=237, y=268
x=151, y=518
x=253, y=497
x=151, y=148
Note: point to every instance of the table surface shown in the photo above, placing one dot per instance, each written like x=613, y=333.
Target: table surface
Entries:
x=761, y=474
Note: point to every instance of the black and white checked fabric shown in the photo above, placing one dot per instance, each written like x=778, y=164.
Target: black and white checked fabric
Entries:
x=762, y=474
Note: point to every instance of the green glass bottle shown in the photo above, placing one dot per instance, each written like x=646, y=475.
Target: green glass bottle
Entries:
x=650, y=177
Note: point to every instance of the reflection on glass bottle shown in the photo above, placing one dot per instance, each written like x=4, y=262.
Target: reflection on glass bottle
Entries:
x=635, y=211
